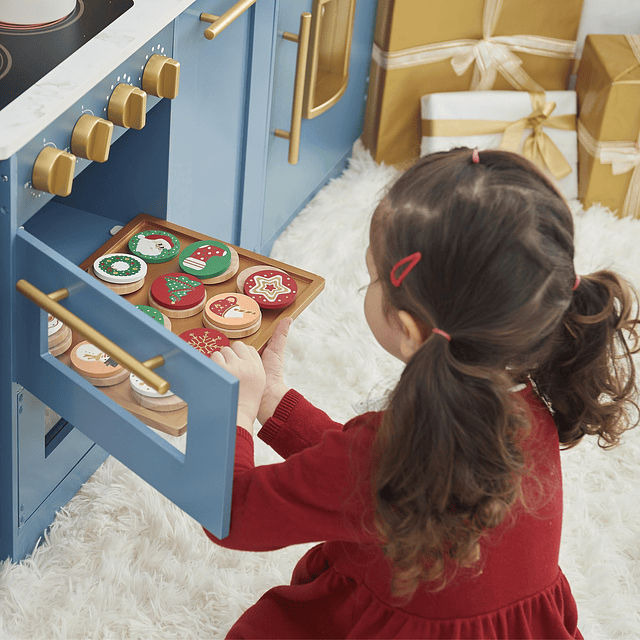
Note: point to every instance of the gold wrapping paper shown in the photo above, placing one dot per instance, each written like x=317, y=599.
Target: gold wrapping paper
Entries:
x=539, y=33
x=608, y=88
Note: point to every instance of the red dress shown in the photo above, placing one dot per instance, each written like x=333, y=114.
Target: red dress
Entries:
x=341, y=587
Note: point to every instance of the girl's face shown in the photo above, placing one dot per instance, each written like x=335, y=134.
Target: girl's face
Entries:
x=384, y=324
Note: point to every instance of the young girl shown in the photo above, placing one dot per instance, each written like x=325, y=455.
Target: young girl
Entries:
x=440, y=517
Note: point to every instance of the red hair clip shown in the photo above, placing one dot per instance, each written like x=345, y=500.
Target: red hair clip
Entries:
x=475, y=156
x=576, y=284
x=411, y=261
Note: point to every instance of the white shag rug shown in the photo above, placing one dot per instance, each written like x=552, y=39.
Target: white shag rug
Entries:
x=120, y=561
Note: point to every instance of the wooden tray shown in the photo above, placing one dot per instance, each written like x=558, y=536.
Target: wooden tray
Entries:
x=175, y=422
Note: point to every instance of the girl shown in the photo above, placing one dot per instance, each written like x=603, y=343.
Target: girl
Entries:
x=440, y=517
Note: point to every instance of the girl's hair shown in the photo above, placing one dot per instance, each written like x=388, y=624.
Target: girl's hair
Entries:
x=497, y=275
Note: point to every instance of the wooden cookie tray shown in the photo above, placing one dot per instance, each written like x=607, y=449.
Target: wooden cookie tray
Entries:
x=175, y=422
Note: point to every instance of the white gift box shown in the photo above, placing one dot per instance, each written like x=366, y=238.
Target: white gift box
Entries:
x=505, y=107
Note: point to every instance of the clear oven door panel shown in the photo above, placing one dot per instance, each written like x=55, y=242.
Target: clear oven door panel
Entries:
x=198, y=480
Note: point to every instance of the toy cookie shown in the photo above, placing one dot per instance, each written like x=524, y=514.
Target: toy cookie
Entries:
x=209, y=260
x=154, y=246
x=60, y=336
x=177, y=295
x=149, y=398
x=235, y=314
x=95, y=366
x=271, y=288
x=206, y=340
x=121, y=272
x=156, y=314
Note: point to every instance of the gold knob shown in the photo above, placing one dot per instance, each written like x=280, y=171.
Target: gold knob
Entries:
x=161, y=77
x=128, y=107
x=53, y=171
x=91, y=138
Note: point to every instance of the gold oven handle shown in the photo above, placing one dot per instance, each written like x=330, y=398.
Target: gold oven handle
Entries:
x=220, y=23
x=49, y=302
x=293, y=136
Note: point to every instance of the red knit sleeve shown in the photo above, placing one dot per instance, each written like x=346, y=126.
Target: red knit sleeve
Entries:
x=295, y=425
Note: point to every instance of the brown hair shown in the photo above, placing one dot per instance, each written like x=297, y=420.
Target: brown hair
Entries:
x=497, y=275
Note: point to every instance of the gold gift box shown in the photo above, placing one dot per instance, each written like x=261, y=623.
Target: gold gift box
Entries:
x=392, y=128
x=608, y=88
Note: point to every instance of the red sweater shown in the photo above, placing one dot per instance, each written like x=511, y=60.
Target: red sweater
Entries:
x=341, y=588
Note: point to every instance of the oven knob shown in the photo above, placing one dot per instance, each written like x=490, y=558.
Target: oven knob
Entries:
x=53, y=171
x=91, y=138
x=161, y=77
x=128, y=107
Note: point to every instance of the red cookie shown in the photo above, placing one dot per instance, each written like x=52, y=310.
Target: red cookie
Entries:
x=232, y=311
x=206, y=341
x=271, y=288
x=178, y=291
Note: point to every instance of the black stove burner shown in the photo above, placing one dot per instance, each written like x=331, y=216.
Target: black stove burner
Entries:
x=28, y=54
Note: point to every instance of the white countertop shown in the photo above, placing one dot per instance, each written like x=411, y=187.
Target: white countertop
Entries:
x=53, y=94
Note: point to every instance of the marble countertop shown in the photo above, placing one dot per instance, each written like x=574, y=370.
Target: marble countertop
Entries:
x=52, y=95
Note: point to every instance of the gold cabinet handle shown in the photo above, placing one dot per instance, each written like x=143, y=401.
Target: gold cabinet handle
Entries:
x=293, y=135
x=49, y=302
x=220, y=23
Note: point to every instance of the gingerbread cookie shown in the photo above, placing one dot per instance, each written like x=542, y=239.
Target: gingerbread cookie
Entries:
x=154, y=246
x=271, y=288
x=205, y=259
x=120, y=268
x=235, y=314
x=177, y=295
x=205, y=340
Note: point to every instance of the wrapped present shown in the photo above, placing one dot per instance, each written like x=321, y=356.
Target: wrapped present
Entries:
x=430, y=46
x=608, y=88
x=540, y=126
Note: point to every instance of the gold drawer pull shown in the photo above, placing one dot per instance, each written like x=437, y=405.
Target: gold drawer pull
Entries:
x=293, y=136
x=220, y=23
x=49, y=302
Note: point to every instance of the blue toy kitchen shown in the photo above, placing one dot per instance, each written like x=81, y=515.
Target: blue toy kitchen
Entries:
x=224, y=118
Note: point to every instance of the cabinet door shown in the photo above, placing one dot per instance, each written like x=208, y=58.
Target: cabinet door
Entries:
x=209, y=117
x=198, y=480
x=325, y=141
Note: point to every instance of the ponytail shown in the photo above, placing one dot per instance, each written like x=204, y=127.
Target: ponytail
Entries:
x=447, y=465
x=589, y=380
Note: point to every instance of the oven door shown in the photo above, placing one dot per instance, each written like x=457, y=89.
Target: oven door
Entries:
x=197, y=480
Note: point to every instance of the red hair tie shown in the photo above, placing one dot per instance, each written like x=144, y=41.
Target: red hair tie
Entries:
x=475, y=156
x=442, y=333
x=576, y=284
x=411, y=261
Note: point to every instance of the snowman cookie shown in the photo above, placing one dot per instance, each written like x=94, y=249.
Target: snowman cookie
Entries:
x=177, y=295
x=154, y=246
x=60, y=336
x=96, y=366
x=235, y=314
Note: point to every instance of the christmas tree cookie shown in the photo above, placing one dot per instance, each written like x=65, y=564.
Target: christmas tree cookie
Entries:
x=154, y=246
x=177, y=295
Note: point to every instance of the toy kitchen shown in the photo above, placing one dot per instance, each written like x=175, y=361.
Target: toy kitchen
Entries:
x=210, y=120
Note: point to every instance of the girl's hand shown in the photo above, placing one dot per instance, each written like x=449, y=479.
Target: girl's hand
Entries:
x=244, y=363
x=273, y=361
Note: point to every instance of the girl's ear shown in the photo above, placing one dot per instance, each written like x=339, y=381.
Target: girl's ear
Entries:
x=411, y=338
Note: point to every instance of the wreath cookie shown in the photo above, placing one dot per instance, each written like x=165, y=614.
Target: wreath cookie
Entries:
x=120, y=268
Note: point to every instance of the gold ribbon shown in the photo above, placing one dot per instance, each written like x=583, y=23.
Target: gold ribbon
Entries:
x=538, y=146
x=623, y=157
x=491, y=54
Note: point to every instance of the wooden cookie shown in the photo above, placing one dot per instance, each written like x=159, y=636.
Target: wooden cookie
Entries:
x=229, y=273
x=271, y=288
x=170, y=403
x=207, y=340
x=116, y=378
x=231, y=311
x=61, y=346
x=120, y=268
x=92, y=362
x=141, y=387
x=245, y=273
x=155, y=246
x=156, y=314
x=234, y=333
x=177, y=295
x=124, y=289
x=53, y=325
x=59, y=337
x=205, y=259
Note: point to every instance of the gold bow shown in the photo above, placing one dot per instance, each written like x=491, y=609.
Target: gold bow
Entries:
x=538, y=147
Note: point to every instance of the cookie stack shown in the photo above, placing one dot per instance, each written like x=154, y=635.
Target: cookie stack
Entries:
x=233, y=314
x=149, y=398
x=60, y=336
x=121, y=272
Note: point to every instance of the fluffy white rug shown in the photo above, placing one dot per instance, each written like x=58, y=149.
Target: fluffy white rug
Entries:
x=120, y=561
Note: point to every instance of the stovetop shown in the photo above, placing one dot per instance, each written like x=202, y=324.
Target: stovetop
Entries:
x=27, y=55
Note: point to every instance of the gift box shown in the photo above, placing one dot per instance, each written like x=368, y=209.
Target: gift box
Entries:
x=430, y=46
x=540, y=126
x=608, y=88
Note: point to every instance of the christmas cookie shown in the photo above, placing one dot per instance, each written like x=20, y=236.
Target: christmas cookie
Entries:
x=229, y=273
x=177, y=295
x=205, y=259
x=205, y=340
x=61, y=340
x=53, y=326
x=156, y=314
x=235, y=314
x=96, y=366
x=149, y=398
x=245, y=273
x=141, y=387
x=271, y=288
x=120, y=268
x=154, y=246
